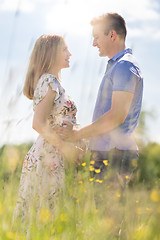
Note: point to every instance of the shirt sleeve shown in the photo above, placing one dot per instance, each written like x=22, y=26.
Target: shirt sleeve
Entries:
x=124, y=77
x=43, y=86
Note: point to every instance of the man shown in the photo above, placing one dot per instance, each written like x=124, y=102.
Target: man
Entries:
x=118, y=103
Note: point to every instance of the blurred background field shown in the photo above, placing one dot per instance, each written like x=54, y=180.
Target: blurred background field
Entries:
x=76, y=217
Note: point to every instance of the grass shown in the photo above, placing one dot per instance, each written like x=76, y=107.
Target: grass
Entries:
x=135, y=216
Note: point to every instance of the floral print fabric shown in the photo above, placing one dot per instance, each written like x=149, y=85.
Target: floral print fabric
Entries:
x=43, y=168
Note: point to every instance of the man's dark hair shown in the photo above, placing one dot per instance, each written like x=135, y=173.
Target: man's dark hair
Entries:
x=111, y=21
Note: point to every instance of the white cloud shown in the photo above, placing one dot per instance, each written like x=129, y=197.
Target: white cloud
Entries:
x=134, y=32
x=69, y=18
x=131, y=10
x=75, y=15
x=151, y=33
x=157, y=35
x=18, y=5
x=143, y=10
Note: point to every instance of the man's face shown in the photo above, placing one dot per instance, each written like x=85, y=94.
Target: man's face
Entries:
x=101, y=41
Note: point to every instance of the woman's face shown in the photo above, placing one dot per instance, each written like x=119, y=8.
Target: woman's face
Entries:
x=63, y=56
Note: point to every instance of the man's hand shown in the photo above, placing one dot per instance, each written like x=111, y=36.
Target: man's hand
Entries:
x=67, y=125
x=66, y=132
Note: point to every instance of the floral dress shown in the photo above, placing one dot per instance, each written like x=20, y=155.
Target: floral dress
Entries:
x=43, y=168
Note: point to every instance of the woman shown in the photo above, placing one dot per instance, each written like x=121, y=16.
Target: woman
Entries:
x=43, y=168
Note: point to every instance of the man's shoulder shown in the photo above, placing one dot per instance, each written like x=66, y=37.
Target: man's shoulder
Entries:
x=128, y=63
x=128, y=59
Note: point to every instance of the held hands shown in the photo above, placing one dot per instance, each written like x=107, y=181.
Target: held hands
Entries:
x=66, y=132
x=72, y=152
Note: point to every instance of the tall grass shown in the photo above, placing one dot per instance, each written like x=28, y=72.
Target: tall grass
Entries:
x=135, y=216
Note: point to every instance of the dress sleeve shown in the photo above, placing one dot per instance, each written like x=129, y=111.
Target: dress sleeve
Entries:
x=125, y=77
x=42, y=87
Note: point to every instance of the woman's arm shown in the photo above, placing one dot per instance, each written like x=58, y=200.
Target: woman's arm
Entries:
x=41, y=125
x=40, y=119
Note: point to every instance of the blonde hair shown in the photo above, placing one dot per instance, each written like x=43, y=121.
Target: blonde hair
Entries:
x=43, y=58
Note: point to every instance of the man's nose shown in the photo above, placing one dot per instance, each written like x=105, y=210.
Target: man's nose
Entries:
x=94, y=43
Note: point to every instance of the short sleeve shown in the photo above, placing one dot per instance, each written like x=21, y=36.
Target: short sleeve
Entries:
x=124, y=77
x=46, y=81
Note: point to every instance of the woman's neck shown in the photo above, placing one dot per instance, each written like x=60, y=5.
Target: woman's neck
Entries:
x=55, y=72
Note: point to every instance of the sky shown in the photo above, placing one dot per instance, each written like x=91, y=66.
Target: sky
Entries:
x=23, y=21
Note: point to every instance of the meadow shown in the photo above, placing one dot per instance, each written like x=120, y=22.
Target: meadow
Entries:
x=135, y=216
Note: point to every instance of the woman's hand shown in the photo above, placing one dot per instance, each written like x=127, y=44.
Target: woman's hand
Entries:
x=66, y=132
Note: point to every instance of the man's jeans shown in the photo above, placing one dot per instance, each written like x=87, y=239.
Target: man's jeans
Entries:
x=112, y=169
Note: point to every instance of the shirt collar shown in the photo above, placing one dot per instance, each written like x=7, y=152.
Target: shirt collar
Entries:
x=120, y=54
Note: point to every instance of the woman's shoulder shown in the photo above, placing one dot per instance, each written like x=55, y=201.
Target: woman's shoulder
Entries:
x=47, y=77
x=45, y=81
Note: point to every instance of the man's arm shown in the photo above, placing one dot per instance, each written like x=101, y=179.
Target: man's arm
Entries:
x=121, y=102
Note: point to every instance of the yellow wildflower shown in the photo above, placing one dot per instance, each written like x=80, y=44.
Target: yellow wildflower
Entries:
x=84, y=164
x=63, y=217
x=126, y=177
x=45, y=215
x=91, y=179
x=155, y=196
x=10, y=235
x=137, y=201
x=92, y=162
x=77, y=201
x=80, y=182
x=105, y=162
x=99, y=181
x=97, y=170
x=91, y=168
x=118, y=195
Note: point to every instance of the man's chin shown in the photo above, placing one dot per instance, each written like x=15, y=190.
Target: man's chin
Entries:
x=101, y=54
